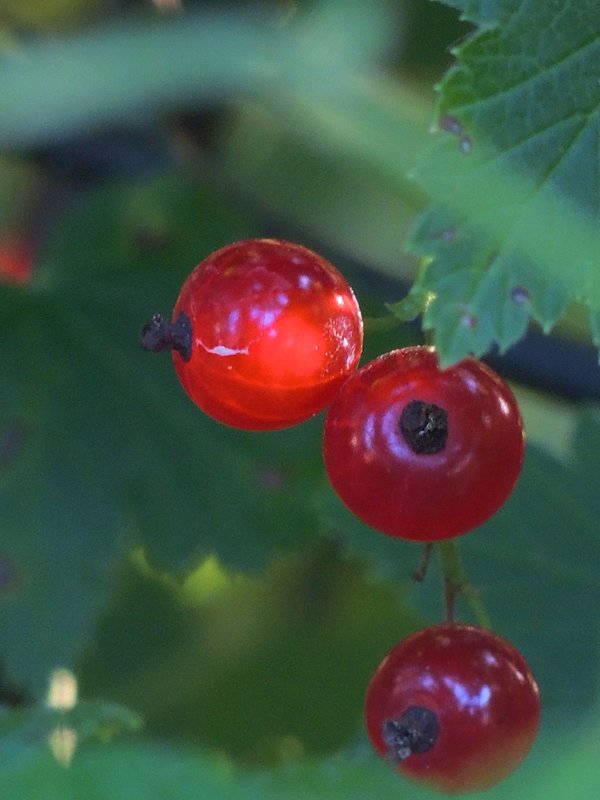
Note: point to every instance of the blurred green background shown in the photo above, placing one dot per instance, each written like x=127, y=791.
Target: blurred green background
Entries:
x=202, y=581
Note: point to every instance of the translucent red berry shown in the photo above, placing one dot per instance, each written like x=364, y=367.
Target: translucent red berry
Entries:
x=453, y=706
x=423, y=453
x=263, y=334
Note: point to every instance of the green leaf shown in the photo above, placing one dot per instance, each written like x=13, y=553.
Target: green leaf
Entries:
x=512, y=232
x=156, y=771
x=159, y=772
x=126, y=71
x=411, y=306
x=340, y=198
x=335, y=136
x=482, y=11
x=56, y=524
x=17, y=181
x=102, y=449
x=26, y=734
x=195, y=661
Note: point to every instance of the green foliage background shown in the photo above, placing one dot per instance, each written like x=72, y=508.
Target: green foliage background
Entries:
x=208, y=580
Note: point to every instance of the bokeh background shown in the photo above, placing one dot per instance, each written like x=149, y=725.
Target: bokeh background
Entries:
x=217, y=609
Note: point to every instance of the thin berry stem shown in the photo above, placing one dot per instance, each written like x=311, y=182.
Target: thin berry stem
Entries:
x=376, y=324
x=421, y=571
x=456, y=583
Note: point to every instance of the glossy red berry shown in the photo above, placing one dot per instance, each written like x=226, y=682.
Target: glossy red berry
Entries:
x=423, y=453
x=264, y=332
x=453, y=706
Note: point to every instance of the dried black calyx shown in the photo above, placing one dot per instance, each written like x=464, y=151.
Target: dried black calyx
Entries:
x=160, y=334
x=424, y=427
x=416, y=731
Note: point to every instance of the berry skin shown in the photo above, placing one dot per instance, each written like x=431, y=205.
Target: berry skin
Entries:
x=264, y=332
x=453, y=706
x=422, y=453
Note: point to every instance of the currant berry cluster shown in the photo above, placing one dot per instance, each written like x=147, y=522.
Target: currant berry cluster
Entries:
x=266, y=334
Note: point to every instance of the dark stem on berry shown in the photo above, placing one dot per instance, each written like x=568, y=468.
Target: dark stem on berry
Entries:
x=159, y=334
x=416, y=731
x=424, y=427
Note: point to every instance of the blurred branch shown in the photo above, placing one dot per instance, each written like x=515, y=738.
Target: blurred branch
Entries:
x=53, y=88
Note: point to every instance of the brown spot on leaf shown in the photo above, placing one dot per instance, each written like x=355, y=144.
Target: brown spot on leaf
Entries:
x=468, y=320
x=451, y=125
x=447, y=235
x=519, y=295
x=465, y=145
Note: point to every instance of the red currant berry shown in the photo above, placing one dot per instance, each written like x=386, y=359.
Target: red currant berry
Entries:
x=423, y=453
x=454, y=706
x=264, y=332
